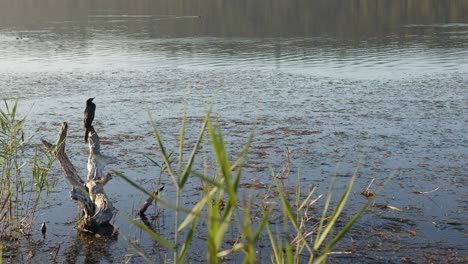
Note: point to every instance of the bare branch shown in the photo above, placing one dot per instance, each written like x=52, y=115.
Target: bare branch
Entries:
x=144, y=207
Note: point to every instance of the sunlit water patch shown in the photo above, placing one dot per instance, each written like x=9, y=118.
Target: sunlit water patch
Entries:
x=47, y=51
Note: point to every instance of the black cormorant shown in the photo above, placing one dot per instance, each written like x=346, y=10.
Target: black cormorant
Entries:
x=88, y=117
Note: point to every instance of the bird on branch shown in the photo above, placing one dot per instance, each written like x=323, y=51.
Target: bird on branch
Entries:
x=88, y=117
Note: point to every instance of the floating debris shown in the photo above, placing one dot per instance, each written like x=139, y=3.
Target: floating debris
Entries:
x=367, y=193
x=406, y=259
x=450, y=223
x=420, y=192
x=255, y=184
x=400, y=220
x=386, y=206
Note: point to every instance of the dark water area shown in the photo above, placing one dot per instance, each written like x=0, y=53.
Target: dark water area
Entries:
x=326, y=79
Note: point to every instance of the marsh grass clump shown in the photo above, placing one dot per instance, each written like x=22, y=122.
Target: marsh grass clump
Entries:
x=223, y=207
x=24, y=179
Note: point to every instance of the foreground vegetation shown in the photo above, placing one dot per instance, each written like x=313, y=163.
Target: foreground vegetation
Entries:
x=301, y=238
x=222, y=206
x=24, y=179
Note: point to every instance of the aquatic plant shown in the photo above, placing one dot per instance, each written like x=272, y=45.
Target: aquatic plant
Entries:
x=20, y=191
x=222, y=207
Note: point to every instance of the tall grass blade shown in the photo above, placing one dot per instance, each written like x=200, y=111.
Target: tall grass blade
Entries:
x=261, y=226
x=150, y=232
x=241, y=161
x=195, y=212
x=138, y=251
x=153, y=161
x=155, y=197
x=323, y=218
x=213, y=228
x=307, y=199
x=289, y=214
x=323, y=255
x=221, y=155
x=219, y=228
x=13, y=111
x=181, y=142
x=287, y=241
x=187, y=241
x=188, y=167
x=164, y=154
x=339, y=207
x=274, y=247
x=207, y=180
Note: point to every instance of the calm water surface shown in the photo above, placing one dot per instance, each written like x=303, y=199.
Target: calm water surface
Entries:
x=326, y=79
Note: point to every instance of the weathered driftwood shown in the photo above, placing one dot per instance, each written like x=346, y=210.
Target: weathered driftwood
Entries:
x=98, y=210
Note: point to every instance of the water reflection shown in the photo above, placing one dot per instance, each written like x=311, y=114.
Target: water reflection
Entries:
x=88, y=249
x=324, y=56
x=354, y=38
x=242, y=18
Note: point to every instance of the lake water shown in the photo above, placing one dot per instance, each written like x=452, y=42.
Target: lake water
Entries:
x=327, y=79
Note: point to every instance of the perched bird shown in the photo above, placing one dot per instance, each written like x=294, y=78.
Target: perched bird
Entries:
x=43, y=228
x=88, y=117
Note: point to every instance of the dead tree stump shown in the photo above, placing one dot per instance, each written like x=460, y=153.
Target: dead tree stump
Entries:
x=97, y=209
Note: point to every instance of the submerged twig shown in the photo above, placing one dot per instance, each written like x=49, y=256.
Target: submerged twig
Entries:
x=54, y=253
x=420, y=192
x=144, y=207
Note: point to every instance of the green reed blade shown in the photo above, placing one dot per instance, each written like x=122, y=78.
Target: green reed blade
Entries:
x=195, y=212
x=188, y=167
x=339, y=207
x=187, y=241
x=323, y=218
x=162, y=149
x=181, y=140
x=306, y=200
x=150, y=232
x=153, y=161
x=289, y=214
x=155, y=197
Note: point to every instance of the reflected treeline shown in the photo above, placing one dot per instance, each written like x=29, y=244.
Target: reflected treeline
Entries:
x=244, y=18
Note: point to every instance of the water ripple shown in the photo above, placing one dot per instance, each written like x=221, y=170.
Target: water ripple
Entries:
x=46, y=50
